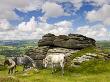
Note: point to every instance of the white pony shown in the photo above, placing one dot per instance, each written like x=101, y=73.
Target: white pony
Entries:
x=55, y=59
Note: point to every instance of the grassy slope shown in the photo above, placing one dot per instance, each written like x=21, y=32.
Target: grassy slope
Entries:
x=46, y=76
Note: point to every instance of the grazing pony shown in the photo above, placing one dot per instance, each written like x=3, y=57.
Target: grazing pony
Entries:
x=26, y=61
x=55, y=59
x=12, y=65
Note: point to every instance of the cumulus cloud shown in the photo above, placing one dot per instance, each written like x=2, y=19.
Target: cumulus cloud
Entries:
x=98, y=32
x=63, y=27
x=100, y=15
x=4, y=25
x=28, y=26
x=7, y=7
x=52, y=9
x=98, y=2
x=77, y=3
x=34, y=30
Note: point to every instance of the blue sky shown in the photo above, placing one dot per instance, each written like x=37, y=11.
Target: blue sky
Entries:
x=34, y=18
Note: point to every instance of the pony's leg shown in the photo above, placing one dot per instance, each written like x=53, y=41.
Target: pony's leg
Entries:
x=63, y=70
x=52, y=67
x=15, y=69
x=62, y=66
x=9, y=71
x=24, y=68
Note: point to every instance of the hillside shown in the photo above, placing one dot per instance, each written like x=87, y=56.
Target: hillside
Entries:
x=15, y=47
x=18, y=43
x=103, y=44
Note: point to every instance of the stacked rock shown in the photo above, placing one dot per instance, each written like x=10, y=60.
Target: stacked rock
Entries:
x=72, y=41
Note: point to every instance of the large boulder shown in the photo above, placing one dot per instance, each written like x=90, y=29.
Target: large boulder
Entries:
x=71, y=41
x=47, y=40
x=64, y=51
x=37, y=54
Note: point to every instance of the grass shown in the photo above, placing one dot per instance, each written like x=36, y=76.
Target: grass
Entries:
x=45, y=76
x=84, y=51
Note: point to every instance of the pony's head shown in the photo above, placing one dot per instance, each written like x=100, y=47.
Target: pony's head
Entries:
x=45, y=62
x=34, y=64
x=6, y=62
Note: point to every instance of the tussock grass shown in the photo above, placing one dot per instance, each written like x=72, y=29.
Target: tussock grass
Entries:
x=84, y=51
x=92, y=67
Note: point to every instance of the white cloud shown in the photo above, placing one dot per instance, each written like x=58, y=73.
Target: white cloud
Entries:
x=98, y=32
x=77, y=3
x=98, y=2
x=34, y=30
x=28, y=26
x=4, y=25
x=7, y=7
x=52, y=9
x=64, y=27
x=103, y=15
x=30, y=5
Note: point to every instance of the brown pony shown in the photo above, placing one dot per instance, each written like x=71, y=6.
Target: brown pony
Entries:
x=11, y=64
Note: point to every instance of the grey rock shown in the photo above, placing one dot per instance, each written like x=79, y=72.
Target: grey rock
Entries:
x=71, y=41
x=64, y=51
x=47, y=40
x=38, y=54
x=83, y=58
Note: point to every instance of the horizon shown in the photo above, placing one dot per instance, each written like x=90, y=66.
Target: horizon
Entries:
x=31, y=19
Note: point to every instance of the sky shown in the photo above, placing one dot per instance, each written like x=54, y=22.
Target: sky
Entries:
x=31, y=19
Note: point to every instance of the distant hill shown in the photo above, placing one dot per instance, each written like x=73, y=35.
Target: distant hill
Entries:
x=103, y=44
x=18, y=43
